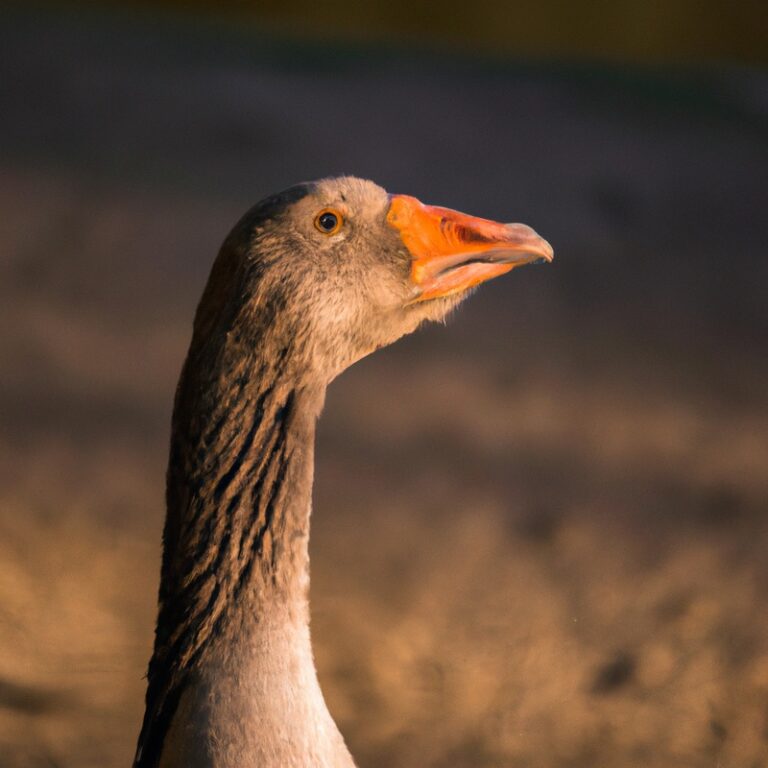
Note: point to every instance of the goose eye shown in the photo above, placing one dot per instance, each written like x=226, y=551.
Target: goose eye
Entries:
x=328, y=221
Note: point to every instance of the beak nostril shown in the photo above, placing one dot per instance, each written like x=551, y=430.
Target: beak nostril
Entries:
x=470, y=235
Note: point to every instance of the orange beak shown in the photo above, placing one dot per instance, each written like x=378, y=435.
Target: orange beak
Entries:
x=452, y=251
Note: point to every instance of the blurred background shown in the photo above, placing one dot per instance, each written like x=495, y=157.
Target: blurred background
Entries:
x=539, y=533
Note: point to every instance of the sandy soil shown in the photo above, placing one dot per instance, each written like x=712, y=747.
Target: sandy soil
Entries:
x=539, y=532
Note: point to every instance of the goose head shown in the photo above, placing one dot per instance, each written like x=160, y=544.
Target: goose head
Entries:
x=336, y=268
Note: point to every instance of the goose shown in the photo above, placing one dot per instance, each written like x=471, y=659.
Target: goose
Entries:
x=309, y=281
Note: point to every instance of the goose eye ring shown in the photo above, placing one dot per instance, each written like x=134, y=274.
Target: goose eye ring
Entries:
x=328, y=221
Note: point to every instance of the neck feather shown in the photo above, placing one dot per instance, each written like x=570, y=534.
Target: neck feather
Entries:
x=239, y=494
x=235, y=543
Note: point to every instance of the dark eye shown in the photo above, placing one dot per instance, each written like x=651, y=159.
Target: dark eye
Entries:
x=328, y=221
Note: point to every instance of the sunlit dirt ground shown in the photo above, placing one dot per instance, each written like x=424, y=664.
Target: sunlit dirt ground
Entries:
x=539, y=533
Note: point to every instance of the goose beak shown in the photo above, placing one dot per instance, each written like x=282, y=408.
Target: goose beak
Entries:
x=452, y=251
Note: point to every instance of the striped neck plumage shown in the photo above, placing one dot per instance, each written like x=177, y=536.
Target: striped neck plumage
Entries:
x=239, y=488
x=235, y=559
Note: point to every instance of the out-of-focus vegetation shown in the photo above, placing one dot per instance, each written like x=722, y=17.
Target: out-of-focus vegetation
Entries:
x=686, y=31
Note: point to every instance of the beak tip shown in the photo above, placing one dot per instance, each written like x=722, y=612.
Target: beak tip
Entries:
x=540, y=252
x=527, y=239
